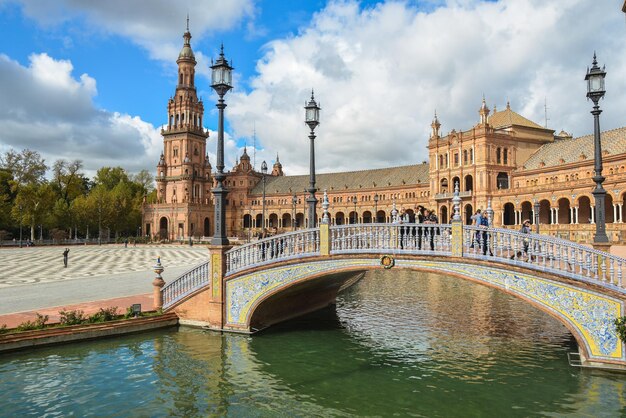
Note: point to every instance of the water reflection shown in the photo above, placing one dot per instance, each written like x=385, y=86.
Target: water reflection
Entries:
x=398, y=343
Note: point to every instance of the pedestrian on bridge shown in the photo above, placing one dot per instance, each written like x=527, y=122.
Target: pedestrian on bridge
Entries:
x=65, y=256
x=430, y=217
x=484, y=241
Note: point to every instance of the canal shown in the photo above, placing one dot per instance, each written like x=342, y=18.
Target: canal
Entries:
x=398, y=343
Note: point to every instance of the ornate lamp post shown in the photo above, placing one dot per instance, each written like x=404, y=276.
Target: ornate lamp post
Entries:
x=312, y=118
x=264, y=172
x=221, y=82
x=356, y=218
x=595, y=91
x=294, y=201
x=376, y=197
x=536, y=210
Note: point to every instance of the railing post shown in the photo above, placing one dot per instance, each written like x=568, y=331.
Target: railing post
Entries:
x=325, y=228
x=457, y=238
x=217, y=254
x=157, y=285
x=325, y=239
x=457, y=225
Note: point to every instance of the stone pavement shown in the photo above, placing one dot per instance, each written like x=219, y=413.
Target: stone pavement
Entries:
x=34, y=279
x=22, y=266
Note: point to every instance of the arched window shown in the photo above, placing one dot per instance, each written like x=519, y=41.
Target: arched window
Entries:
x=498, y=155
x=465, y=157
x=506, y=156
x=441, y=161
x=180, y=78
x=471, y=156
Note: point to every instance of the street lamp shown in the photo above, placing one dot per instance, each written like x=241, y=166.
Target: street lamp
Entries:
x=294, y=200
x=537, y=207
x=376, y=197
x=221, y=78
x=595, y=91
x=20, y=208
x=312, y=118
x=354, y=200
x=264, y=172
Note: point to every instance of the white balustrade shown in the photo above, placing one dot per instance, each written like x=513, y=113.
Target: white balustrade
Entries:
x=394, y=238
x=545, y=253
x=270, y=250
x=186, y=284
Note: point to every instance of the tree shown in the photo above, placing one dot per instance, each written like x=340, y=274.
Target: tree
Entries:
x=109, y=177
x=67, y=179
x=146, y=180
x=33, y=205
x=68, y=183
x=100, y=207
x=27, y=167
x=6, y=198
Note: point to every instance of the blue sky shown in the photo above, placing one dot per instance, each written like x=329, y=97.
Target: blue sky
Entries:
x=90, y=80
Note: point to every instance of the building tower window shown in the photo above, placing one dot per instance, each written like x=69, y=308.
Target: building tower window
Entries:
x=498, y=156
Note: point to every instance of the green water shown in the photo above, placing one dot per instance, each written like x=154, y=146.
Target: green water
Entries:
x=397, y=344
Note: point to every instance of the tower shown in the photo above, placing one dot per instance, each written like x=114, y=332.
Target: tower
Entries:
x=183, y=172
x=277, y=170
x=435, y=127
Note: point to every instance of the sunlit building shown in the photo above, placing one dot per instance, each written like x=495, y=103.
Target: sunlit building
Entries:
x=505, y=161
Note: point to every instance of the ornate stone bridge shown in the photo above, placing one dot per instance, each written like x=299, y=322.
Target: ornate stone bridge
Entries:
x=252, y=286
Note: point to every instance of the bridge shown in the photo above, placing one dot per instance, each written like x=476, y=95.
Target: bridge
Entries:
x=252, y=286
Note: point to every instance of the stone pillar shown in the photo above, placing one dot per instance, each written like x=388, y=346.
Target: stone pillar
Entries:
x=157, y=285
x=325, y=243
x=576, y=215
x=620, y=212
x=593, y=215
x=215, y=314
x=556, y=216
x=615, y=213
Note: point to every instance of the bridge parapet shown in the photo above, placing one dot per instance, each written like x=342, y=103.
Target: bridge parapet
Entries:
x=431, y=239
x=186, y=284
x=270, y=250
x=545, y=253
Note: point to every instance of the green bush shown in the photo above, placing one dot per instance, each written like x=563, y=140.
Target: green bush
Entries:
x=103, y=315
x=3, y=329
x=39, y=323
x=620, y=328
x=129, y=313
x=75, y=317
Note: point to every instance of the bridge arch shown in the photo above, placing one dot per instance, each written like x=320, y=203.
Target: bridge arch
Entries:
x=261, y=298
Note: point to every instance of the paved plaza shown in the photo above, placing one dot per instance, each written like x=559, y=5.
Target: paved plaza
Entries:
x=34, y=278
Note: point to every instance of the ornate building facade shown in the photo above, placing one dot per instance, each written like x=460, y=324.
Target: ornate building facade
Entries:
x=505, y=161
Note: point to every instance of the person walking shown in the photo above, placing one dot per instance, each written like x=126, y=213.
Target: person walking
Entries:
x=419, y=219
x=484, y=224
x=432, y=219
x=65, y=256
x=525, y=229
x=475, y=218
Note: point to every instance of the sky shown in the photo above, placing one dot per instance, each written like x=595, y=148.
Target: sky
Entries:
x=90, y=80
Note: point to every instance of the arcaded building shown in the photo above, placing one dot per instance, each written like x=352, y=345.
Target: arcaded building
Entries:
x=505, y=160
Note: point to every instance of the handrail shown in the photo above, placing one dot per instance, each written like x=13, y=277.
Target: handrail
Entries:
x=545, y=253
x=185, y=284
x=287, y=246
x=397, y=238
x=532, y=251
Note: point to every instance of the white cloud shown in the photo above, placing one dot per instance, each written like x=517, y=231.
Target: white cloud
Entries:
x=53, y=112
x=156, y=25
x=380, y=72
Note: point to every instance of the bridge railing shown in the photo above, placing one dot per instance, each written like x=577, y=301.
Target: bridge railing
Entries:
x=185, y=284
x=396, y=238
x=296, y=244
x=545, y=253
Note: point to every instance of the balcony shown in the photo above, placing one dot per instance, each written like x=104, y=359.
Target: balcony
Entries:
x=450, y=195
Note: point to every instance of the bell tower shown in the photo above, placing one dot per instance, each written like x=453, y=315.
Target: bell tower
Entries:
x=184, y=176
